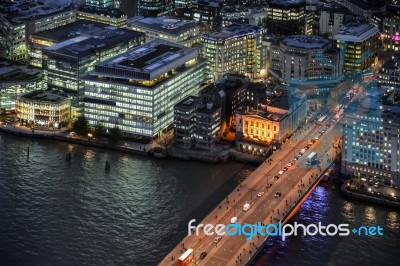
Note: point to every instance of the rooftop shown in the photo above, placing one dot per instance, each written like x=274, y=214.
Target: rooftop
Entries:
x=306, y=41
x=188, y=103
x=356, y=33
x=45, y=96
x=101, y=39
x=22, y=11
x=149, y=60
x=107, y=12
x=163, y=24
x=271, y=116
x=15, y=72
x=287, y=3
x=233, y=31
x=79, y=28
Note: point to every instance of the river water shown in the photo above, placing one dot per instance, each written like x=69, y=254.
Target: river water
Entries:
x=54, y=212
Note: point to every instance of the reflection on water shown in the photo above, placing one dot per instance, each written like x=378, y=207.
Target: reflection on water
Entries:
x=58, y=212
x=327, y=205
x=370, y=216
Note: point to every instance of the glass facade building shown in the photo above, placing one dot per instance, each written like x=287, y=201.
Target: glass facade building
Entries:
x=137, y=90
x=17, y=24
x=234, y=49
x=358, y=46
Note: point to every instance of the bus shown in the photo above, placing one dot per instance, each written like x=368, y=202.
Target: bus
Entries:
x=321, y=120
x=186, y=258
x=311, y=158
x=337, y=108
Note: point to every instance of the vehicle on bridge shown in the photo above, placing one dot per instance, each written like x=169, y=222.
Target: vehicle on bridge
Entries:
x=246, y=206
x=321, y=120
x=337, y=108
x=234, y=220
x=203, y=255
x=260, y=194
x=186, y=258
x=311, y=158
x=278, y=194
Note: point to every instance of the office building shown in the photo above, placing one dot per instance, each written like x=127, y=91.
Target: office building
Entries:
x=391, y=28
x=234, y=49
x=305, y=57
x=44, y=39
x=100, y=3
x=183, y=4
x=137, y=90
x=66, y=61
x=389, y=74
x=130, y=7
x=358, y=44
x=155, y=8
x=207, y=13
x=286, y=17
x=16, y=79
x=228, y=92
x=243, y=15
x=197, y=124
x=110, y=16
x=364, y=8
x=179, y=31
x=185, y=121
x=43, y=109
x=331, y=17
x=19, y=20
x=370, y=146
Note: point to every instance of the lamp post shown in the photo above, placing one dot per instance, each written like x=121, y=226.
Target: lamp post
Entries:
x=251, y=195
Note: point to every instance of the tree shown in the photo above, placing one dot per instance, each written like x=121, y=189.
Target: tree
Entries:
x=115, y=135
x=99, y=131
x=81, y=125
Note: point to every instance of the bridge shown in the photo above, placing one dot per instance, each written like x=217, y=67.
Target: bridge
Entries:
x=260, y=190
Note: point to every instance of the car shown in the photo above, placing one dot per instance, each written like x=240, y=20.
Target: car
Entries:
x=269, y=185
x=323, y=130
x=234, y=219
x=316, y=138
x=260, y=193
x=328, y=125
x=295, y=158
x=281, y=172
x=313, y=141
x=310, y=143
x=203, y=255
x=299, y=155
x=276, y=177
x=289, y=164
x=278, y=194
x=306, y=147
x=217, y=239
x=303, y=151
x=293, y=161
x=285, y=168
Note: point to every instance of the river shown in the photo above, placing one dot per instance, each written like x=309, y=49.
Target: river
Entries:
x=54, y=212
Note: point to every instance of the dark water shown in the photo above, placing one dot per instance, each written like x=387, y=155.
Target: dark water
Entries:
x=327, y=205
x=54, y=212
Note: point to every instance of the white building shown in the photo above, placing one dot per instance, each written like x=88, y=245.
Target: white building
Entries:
x=371, y=141
x=179, y=31
x=137, y=90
